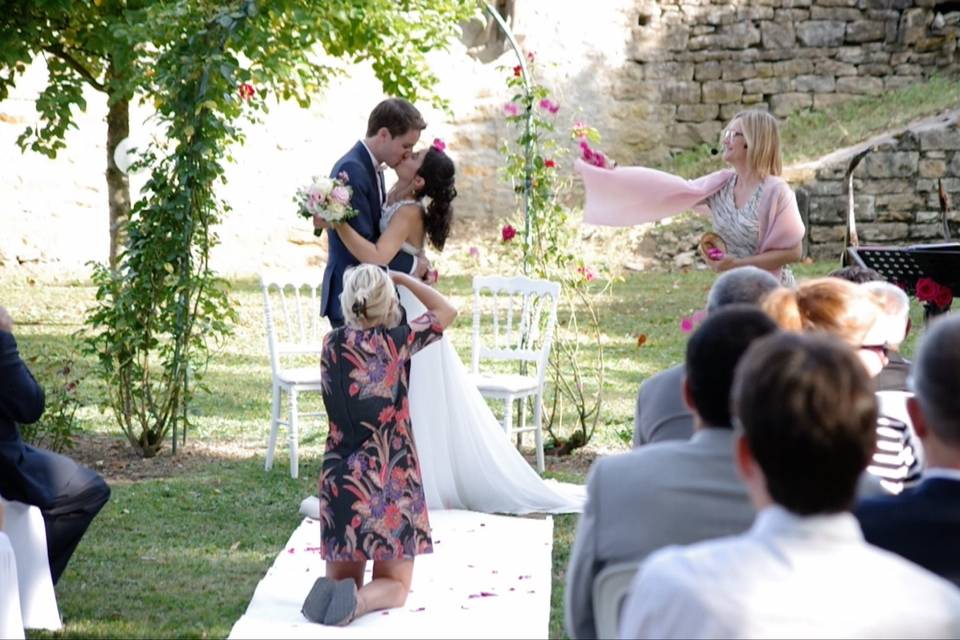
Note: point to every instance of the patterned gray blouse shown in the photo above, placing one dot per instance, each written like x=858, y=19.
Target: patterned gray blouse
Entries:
x=740, y=226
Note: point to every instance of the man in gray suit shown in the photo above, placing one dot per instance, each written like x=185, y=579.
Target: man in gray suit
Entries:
x=672, y=492
x=661, y=414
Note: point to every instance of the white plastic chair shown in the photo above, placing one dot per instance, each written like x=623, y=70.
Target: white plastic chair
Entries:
x=23, y=525
x=291, y=307
x=610, y=589
x=522, y=313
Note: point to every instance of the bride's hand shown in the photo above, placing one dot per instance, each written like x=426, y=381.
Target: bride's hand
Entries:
x=320, y=223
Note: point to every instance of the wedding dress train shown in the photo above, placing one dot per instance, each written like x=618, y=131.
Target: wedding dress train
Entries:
x=466, y=460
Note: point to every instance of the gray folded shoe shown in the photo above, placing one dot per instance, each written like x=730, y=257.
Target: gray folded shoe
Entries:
x=343, y=604
x=315, y=606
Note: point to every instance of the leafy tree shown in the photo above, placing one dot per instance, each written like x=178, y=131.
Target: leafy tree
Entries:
x=203, y=66
x=114, y=47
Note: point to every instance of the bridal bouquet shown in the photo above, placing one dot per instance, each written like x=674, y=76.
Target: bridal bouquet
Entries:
x=328, y=198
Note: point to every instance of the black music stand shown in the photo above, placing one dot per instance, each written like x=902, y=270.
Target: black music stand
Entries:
x=905, y=265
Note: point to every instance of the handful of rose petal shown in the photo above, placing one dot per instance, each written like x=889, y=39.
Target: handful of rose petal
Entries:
x=328, y=198
x=712, y=246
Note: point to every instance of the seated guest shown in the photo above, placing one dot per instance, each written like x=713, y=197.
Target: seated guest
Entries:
x=661, y=414
x=670, y=492
x=69, y=495
x=805, y=414
x=855, y=315
x=856, y=274
x=923, y=524
x=896, y=326
x=893, y=377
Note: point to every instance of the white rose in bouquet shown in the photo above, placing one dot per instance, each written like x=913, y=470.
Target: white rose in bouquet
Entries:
x=323, y=185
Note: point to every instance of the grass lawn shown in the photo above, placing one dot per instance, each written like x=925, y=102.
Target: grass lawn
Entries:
x=184, y=540
x=181, y=545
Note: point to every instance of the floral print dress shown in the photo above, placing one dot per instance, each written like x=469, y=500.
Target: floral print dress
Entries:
x=372, y=505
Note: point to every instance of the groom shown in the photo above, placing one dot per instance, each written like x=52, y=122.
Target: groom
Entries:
x=393, y=129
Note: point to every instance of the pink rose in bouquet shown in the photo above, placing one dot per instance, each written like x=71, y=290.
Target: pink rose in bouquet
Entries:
x=328, y=198
x=340, y=194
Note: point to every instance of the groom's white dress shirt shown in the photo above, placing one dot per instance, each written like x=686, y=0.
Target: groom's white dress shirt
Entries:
x=788, y=577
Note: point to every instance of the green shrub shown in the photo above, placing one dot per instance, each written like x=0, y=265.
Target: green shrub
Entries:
x=57, y=429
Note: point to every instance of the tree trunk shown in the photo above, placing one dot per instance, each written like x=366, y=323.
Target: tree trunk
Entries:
x=118, y=185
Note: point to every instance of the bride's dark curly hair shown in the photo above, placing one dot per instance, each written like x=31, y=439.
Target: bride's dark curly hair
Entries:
x=438, y=173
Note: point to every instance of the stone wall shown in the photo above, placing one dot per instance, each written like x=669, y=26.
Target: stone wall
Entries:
x=700, y=62
x=896, y=196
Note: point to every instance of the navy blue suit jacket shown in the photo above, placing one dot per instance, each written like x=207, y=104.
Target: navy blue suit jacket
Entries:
x=21, y=400
x=366, y=200
x=921, y=524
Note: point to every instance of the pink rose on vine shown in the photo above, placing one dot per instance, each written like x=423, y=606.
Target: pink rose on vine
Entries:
x=549, y=105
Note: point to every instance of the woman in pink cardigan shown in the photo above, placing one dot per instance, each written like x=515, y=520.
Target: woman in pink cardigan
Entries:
x=752, y=208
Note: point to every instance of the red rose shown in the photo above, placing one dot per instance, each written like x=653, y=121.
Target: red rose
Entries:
x=926, y=289
x=517, y=71
x=943, y=297
x=508, y=233
x=246, y=91
x=549, y=164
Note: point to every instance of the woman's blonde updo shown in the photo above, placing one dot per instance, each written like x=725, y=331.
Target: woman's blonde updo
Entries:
x=369, y=297
x=832, y=305
x=762, y=137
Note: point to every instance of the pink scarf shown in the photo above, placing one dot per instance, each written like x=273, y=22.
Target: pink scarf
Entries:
x=626, y=196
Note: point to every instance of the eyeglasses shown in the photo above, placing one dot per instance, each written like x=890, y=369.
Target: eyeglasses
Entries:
x=728, y=134
x=880, y=349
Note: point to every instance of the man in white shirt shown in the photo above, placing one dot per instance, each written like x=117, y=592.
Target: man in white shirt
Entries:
x=669, y=492
x=806, y=417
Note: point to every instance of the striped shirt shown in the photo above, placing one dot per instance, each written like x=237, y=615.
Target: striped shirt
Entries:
x=898, y=459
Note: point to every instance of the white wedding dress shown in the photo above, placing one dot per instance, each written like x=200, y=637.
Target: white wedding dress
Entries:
x=466, y=460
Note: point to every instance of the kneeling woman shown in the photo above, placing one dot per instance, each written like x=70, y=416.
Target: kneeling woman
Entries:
x=372, y=505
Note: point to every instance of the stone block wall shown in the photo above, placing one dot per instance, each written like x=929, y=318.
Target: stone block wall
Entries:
x=700, y=62
x=896, y=191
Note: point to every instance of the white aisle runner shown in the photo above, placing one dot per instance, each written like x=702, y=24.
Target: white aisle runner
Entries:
x=488, y=576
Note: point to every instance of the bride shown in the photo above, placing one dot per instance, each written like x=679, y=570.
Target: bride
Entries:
x=466, y=460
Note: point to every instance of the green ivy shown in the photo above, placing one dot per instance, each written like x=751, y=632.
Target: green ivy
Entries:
x=160, y=310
